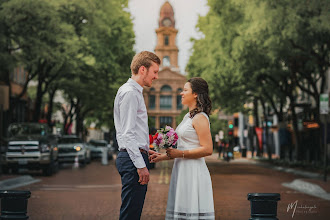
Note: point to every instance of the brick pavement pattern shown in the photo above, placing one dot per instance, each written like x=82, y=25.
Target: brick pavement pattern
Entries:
x=93, y=192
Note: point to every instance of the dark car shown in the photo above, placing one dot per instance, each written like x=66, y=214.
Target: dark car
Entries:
x=31, y=146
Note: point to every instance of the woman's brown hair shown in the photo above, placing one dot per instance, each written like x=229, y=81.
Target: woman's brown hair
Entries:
x=203, y=102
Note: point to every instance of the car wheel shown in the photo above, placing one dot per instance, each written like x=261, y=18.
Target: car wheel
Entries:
x=5, y=169
x=14, y=170
x=51, y=168
x=83, y=162
x=89, y=159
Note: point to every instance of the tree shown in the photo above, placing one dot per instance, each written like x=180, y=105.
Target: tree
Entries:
x=261, y=50
x=39, y=41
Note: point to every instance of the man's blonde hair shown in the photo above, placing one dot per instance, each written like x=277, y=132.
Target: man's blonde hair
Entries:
x=144, y=58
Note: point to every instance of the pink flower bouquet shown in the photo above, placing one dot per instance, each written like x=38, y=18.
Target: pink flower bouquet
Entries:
x=165, y=138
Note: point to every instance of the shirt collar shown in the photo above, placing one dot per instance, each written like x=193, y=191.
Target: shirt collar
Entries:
x=135, y=84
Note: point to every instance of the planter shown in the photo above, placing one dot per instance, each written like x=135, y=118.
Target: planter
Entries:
x=263, y=205
x=14, y=204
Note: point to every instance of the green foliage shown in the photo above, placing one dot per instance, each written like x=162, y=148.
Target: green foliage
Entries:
x=262, y=49
x=83, y=48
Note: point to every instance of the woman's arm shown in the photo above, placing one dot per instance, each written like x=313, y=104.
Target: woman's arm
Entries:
x=202, y=127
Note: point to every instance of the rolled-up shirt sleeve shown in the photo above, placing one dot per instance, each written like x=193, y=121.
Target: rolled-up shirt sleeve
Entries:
x=128, y=118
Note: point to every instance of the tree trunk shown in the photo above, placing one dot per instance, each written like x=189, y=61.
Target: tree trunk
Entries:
x=50, y=107
x=38, y=102
x=256, y=124
x=298, y=150
x=265, y=126
x=78, y=120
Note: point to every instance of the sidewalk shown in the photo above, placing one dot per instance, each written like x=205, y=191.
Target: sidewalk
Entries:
x=307, y=182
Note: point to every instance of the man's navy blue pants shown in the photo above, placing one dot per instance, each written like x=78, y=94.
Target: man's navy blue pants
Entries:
x=133, y=193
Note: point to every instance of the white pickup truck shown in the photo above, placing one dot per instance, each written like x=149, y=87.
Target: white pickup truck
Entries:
x=30, y=146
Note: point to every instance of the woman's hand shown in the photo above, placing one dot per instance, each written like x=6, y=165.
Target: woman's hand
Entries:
x=174, y=153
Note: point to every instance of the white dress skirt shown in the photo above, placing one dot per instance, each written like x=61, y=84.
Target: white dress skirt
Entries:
x=190, y=194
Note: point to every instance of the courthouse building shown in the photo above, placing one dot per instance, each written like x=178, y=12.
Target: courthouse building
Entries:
x=163, y=100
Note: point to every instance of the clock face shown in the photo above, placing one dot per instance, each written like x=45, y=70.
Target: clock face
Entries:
x=167, y=22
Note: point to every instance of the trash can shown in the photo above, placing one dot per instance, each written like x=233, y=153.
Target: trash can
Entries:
x=263, y=205
x=14, y=204
x=243, y=152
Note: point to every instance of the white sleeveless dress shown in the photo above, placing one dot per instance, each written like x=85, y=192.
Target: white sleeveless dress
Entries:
x=190, y=194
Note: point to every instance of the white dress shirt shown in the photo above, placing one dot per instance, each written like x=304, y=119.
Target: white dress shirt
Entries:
x=131, y=121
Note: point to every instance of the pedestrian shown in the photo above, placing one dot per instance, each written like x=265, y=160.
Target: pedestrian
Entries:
x=220, y=146
x=131, y=123
x=190, y=194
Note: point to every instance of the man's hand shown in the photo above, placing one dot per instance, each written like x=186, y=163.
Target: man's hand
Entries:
x=152, y=152
x=155, y=158
x=152, y=155
x=144, y=175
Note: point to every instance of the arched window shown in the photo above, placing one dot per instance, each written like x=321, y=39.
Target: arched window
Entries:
x=166, y=88
x=166, y=100
x=152, y=101
x=166, y=61
x=166, y=40
x=178, y=100
x=152, y=98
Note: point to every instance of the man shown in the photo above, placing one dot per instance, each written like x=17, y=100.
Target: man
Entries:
x=131, y=122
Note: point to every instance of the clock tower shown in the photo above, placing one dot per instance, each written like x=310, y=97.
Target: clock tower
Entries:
x=163, y=99
x=166, y=47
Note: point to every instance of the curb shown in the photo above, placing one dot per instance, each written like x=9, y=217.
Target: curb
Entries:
x=305, y=174
x=17, y=182
x=308, y=188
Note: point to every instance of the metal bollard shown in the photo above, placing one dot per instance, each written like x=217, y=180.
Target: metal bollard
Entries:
x=263, y=205
x=14, y=204
x=104, y=156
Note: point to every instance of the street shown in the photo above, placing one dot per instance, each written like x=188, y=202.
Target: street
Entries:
x=93, y=192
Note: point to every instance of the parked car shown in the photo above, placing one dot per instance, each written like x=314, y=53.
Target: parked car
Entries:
x=71, y=147
x=97, y=148
x=31, y=146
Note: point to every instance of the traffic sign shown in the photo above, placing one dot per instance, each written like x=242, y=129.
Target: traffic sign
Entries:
x=324, y=104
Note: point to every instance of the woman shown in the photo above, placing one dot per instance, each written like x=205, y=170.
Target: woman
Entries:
x=190, y=195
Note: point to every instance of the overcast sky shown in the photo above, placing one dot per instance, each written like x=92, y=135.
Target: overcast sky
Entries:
x=145, y=15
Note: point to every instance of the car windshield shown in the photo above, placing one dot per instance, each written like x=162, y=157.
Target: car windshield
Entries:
x=69, y=140
x=98, y=144
x=27, y=129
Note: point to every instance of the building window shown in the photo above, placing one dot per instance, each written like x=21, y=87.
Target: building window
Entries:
x=166, y=88
x=152, y=101
x=165, y=102
x=166, y=40
x=178, y=102
x=163, y=121
x=166, y=61
x=152, y=122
